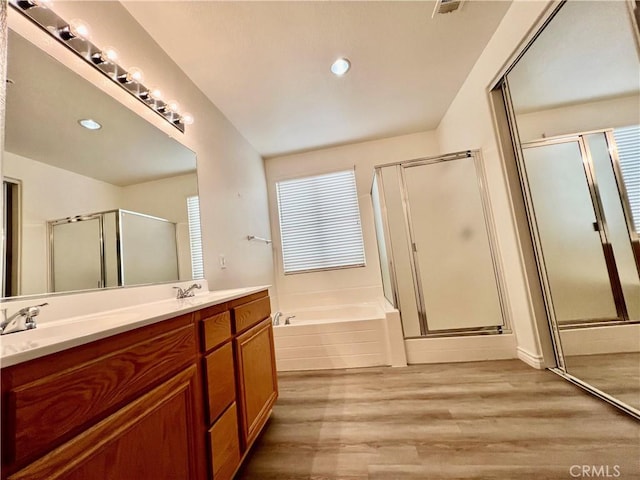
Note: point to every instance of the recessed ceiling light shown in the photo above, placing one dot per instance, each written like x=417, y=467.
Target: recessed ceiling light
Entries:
x=90, y=124
x=340, y=66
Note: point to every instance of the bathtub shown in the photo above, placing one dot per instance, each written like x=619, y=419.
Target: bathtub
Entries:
x=345, y=336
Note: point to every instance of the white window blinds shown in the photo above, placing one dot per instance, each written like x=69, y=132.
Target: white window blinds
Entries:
x=320, y=222
x=195, y=237
x=628, y=143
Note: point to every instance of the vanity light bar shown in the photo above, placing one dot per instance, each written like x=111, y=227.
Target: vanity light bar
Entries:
x=75, y=36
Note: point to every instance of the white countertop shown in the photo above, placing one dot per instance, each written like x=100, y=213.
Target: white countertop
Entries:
x=52, y=337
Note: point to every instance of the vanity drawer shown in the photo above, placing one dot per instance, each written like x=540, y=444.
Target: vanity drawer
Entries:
x=220, y=378
x=216, y=330
x=249, y=314
x=224, y=445
x=51, y=408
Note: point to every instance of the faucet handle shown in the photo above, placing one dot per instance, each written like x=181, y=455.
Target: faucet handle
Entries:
x=181, y=292
x=33, y=310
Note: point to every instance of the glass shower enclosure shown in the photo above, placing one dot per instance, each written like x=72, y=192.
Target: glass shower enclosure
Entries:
x=109, y=249
x=437, y=246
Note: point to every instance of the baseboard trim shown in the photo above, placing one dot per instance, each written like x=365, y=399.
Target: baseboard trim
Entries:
x=460, y=349
x=535, y=361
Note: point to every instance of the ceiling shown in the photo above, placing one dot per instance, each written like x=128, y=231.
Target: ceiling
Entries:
x=265, y=64
x=42, y=124
x=574, y=59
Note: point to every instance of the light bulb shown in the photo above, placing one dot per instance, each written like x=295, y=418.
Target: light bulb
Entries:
x=136, y=74
x=110, y=53
x=106, y=55
x=79, y=28
x=173, y=106
x=155, y=93
x=187, y=118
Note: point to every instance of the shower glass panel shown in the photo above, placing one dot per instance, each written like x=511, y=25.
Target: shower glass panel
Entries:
x=451, y=247
x=385, y=268
x=76, y=255
x=569, y=232
x=398, y=247
x=148, y=249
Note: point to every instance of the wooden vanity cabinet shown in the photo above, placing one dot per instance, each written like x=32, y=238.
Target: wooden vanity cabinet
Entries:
x=181, y=399
x=126, y=406
x=240, y=379
x=150, y=438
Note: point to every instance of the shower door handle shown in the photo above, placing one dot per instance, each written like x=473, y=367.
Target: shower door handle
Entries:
x=596, y=227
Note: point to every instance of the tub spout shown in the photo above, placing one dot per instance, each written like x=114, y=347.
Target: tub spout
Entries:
x=276, y=318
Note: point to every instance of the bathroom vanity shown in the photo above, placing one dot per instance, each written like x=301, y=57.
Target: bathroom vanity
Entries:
x=179, y=394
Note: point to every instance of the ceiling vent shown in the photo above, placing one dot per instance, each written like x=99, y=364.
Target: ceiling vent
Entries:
x=446, y=6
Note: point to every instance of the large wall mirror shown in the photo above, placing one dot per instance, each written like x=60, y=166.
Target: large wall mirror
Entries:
x=575, y=99
x=85, y=208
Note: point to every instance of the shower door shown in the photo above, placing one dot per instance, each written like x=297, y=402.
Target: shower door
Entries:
x=580, y=222
x=454, y=266
x=76, y=254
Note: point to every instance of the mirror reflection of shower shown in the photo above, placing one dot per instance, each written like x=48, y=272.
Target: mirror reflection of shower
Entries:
x=112, y=248
x=574, y=104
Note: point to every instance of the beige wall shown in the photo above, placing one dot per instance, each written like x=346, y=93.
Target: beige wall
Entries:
x=45, y=197
x=585, y=117
x=346, y=285
x=231, y=179
x=468, y=124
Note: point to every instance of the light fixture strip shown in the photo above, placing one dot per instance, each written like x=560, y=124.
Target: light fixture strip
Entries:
x=40, y=14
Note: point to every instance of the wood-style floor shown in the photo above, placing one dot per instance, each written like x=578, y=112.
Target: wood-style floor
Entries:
x=617, y=374
x=485, y=420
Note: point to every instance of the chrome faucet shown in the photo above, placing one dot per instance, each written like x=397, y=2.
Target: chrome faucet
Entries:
x=287, y=321
x=23, y=319
x=187, y=292
x=276, y=318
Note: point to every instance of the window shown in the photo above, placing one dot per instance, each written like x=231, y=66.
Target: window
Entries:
x=195, y=237
x=320, y=222
x=628, y=143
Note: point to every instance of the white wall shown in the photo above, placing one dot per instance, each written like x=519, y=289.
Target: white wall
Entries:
x=611, y=113
x=468, y=124
x=346, y=285
x=46, y=196
x=231, y=179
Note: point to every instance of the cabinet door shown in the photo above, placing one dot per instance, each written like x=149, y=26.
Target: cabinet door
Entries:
x=149, y=439
x=257, y=378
